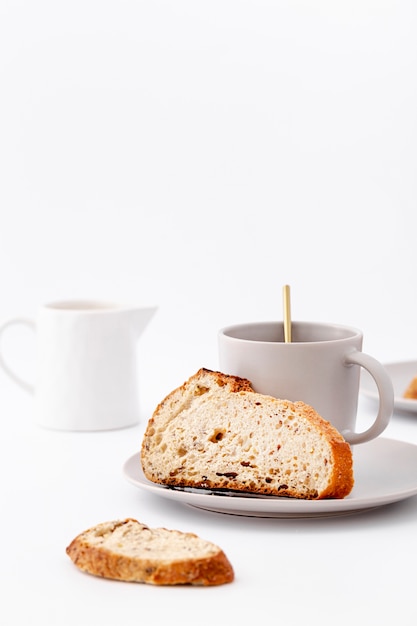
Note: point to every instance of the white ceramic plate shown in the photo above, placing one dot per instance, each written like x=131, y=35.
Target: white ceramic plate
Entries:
x=401, y=375
x=385, y=472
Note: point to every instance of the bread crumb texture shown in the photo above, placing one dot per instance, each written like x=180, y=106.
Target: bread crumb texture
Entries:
x=215, y=432
x=131, y=551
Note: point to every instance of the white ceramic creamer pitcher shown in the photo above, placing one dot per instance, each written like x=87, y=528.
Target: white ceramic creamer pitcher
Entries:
x=86, y=373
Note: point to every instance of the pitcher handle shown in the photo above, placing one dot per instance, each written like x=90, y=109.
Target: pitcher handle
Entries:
x=385, y=392
x=17, y=379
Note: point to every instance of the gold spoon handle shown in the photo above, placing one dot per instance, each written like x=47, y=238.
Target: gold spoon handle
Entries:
x=287, y=313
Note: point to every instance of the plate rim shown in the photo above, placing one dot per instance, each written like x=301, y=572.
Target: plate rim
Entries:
x=278, y=507
x=405, y=404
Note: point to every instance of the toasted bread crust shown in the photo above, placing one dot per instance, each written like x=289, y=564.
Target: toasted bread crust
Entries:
x=248, y=430
x=191, y=560
x=341, y=482
x=411, y=391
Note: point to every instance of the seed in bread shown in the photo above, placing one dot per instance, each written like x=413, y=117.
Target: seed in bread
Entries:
x=216, y=432
x=130, y=551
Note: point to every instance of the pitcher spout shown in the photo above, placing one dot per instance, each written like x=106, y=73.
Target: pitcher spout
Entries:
x=141, y=317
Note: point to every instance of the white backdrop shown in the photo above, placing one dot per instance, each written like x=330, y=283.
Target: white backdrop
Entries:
x=199, y=155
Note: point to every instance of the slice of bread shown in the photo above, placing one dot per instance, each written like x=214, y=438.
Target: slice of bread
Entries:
x=411, y=391
x=130, y=551
x=215, y=432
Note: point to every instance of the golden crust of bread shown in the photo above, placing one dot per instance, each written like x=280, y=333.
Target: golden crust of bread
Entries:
x=216, y=432
x=129, y=551
x=411, y=391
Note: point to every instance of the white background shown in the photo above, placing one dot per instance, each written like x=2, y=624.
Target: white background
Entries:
x=200, y=155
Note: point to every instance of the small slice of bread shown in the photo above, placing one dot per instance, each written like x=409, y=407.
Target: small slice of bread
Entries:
x=411, y=391
x=215, y=432
x=130, y=551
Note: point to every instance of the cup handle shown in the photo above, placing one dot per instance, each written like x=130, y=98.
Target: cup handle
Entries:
x=17, y=379
x=386, y=397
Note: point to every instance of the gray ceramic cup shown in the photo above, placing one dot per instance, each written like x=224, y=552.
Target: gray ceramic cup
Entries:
x=321, y=367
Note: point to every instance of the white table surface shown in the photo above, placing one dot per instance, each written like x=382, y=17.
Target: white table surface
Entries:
x=56, y=484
